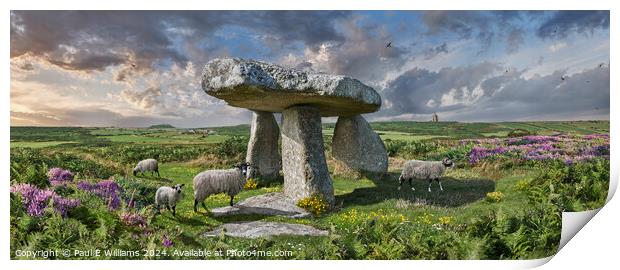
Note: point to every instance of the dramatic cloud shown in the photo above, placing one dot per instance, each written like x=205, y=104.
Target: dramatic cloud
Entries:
x=364, y=54
x=486, y=27
x=137, y=68
x=484, y=93
x=145, y=99
x=94, y=40
x=563, y=23
x=422, y=91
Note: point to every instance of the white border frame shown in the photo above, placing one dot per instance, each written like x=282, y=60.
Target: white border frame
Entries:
x=596, y=245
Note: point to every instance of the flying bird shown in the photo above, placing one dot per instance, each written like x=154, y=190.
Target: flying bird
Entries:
x=506, y=71
x=389, y=45
x=133, y=65
x=588, y=81
x=563, y=77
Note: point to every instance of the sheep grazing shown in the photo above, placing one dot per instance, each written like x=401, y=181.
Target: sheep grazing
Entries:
x=424, y=170
x=147, y=165
x=168, y=196
x=219, y=181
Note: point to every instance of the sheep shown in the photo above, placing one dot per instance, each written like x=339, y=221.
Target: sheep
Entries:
x=219, y=181
x=147, y=165
x=168, y=196
x=424, y=170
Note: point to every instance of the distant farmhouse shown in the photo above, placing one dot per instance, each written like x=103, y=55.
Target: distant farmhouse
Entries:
x=204, y=132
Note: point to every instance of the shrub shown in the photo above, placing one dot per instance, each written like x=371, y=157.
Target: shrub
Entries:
x=409, y=149
x=23, y=158
x=250, y=184
x=59, y=176
x=494, y=197
x=137, y=193
x=446, y=220
x=36, y=200
x=132, y=153
x=533, y=234
x=233, y=146
x=522, y=184
x=315, y=204
x=519, y=132
x=27, y=173
x=107, y=190
x=166, y=242
x=133, y=220
x=577, y=187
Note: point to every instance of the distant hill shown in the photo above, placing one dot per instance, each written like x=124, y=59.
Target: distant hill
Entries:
x=162, y=126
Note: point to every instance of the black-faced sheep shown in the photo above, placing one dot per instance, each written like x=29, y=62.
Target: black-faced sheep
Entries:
x=147, y=165
x=211, y=182
x=424, y=170
x=168, y=196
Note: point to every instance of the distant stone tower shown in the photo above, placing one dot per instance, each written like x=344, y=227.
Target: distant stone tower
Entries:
x=435, y=118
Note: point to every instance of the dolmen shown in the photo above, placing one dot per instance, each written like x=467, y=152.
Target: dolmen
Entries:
x=302, y=98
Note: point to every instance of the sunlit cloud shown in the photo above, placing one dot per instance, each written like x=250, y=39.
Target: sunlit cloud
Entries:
x=137, y=68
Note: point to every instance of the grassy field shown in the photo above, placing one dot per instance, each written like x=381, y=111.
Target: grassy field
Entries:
x=499, y=208
x=402, y=130
x=461, y=202
x=24, y=144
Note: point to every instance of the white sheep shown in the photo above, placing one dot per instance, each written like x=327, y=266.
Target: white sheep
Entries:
x=147, y=165
x=211, y=182
x=424, y=170
x=168, y=196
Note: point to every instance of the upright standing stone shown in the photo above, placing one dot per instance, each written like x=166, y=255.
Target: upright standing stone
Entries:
x=357, y=146
x=263, y=151
x=303, y=154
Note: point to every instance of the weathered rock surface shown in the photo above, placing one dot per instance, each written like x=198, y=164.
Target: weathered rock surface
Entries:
x=272, y=204
x=303, y=157
x=263, y=152
x=266, y=87
x=256, y=229
x=357, y=146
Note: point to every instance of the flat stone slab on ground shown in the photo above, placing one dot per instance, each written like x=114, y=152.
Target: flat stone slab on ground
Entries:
x=256, y=229
x=266, y=87
x=272, y=204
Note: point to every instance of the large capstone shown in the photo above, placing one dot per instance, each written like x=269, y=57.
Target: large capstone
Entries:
x=358, y=147
x=266, y=87
x=263, y=153
x=303, y=156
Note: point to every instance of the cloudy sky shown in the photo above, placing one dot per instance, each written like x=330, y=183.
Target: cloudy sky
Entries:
x=132, y=68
